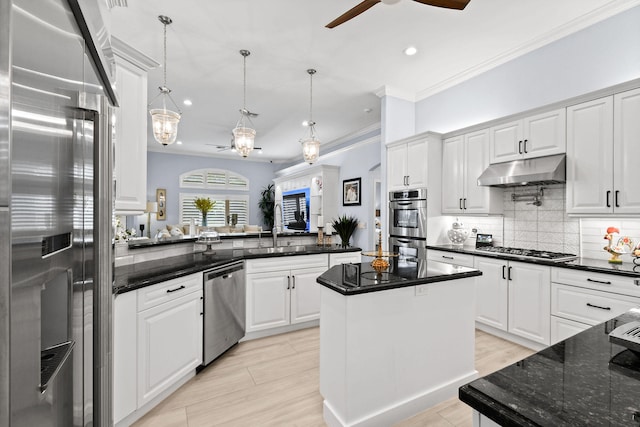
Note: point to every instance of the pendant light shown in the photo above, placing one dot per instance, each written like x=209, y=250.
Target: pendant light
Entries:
x=165, y=122
x=243, y=135
x=311, y=145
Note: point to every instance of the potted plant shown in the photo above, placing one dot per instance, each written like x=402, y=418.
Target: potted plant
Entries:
x=267, y=204
x=344, y=226
x=204, y=205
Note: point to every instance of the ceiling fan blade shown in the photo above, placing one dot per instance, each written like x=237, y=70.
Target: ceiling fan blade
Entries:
x=352, y=13
x=248, y=113
x=449, y=4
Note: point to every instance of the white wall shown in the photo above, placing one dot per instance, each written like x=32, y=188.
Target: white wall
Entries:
x=599, y=56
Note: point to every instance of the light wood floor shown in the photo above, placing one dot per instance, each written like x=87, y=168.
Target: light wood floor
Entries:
x=274, y=382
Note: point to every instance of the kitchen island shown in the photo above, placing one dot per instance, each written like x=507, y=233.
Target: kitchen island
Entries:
x=394, y=343
x=583, y=380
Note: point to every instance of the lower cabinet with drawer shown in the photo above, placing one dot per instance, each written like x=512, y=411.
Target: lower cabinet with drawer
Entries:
x=455, y=258
x=278, y=295
x=581, y=299
x=157, y=343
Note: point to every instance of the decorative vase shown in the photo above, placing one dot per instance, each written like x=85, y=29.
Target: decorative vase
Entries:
x=204, y=219
x=344, y=241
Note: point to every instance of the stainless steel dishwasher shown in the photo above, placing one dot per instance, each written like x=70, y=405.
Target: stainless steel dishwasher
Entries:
x=224, y=309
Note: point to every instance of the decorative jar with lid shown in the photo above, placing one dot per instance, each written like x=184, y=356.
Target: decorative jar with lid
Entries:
x=457, y=233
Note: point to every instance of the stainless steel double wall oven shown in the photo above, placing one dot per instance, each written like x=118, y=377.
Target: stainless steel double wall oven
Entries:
x=408, y=225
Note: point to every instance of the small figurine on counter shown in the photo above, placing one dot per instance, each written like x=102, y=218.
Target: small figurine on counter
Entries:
x=619, y=249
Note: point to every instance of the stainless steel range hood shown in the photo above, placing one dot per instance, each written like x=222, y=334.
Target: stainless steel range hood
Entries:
x=535, y=171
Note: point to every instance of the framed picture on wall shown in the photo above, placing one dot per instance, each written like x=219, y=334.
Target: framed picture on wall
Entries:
x=351, y=189
x=161, y=198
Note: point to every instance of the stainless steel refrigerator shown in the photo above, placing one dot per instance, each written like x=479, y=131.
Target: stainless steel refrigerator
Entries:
x=55, y=215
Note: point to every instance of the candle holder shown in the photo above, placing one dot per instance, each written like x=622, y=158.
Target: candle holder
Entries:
x=320, y=241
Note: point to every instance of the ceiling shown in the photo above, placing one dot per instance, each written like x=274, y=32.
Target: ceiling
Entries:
x=354, y=61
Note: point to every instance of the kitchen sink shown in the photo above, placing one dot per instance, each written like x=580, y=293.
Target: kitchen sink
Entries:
x=277, y=250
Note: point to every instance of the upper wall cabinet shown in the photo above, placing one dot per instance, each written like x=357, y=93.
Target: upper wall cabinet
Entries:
x=602, y=155
x=407, y=165
x=130, y=136
x=534, y=136
x=408, y=161
x=464, y=158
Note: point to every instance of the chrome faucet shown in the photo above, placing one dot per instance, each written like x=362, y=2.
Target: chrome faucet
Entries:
x=274, y=231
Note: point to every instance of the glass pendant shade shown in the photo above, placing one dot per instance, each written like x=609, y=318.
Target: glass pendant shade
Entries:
x=165, y=125
x=244, y=138
x=165, y=122
x=310, y=149
x=311, y=144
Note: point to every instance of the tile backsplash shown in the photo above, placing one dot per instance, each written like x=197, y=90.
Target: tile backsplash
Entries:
x=546, y=227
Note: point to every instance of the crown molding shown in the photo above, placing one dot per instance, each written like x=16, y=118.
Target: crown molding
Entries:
x=128, y=53
x=396, y=93
x=606, y=11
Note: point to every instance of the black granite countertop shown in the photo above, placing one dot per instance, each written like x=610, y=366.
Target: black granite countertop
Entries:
x=145, y=243
x=351, y=279
x=627, y=268
x=134, y=276
x=583, y=380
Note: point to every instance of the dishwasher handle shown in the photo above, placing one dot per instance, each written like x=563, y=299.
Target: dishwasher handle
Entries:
x=224, y=271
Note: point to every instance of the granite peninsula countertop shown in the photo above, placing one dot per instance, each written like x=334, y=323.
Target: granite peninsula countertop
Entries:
x=583, y=380
x=352, y=279
x=134, y=276
x=627, y=268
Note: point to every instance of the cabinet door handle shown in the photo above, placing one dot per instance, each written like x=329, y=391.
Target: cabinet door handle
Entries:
x=525, y=146
x=504, y=267
x=447, y=257
x=460, y=203
x=598, y=306
x=608, y=199
x=176, y=289
x=599, y=281
x=519, y=147
x=464, y=203
x=288, y=282
x=615, y=199
x=294, y=282
x=509, y=273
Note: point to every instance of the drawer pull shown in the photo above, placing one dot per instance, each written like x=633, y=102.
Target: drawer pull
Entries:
x=176, y=289
x=597, y=306
x=636, y=282
x=447, y=257
x=599, y=281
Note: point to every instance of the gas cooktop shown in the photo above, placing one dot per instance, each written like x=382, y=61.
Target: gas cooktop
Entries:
x=529, y=253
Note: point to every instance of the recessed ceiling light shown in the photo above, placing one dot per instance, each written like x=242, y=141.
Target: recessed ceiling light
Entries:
x=410, y=51
x=305, y=123
x=187, y=102
x=368, y=110
x=179, y=142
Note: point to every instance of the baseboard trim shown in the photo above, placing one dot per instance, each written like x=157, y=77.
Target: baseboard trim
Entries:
x=510, y=337
x=401, y=410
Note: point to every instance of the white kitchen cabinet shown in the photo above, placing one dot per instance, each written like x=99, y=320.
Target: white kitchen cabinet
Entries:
x=344, y=258
x=561, y=329
x=464, y=158
x=454, y=258
x=514, y=297
x=535, y=136
x=492, y=295
x=169, y=335
x=130, y=136
x=278, y=295
x=602, y=148
x=529, y=301
x=407, y=165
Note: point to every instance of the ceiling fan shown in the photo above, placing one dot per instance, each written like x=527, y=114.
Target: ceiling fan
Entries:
x=366, y=4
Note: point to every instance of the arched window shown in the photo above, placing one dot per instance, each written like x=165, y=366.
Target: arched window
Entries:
x=228, y=201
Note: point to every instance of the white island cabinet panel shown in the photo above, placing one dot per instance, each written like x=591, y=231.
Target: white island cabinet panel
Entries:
x=386, y=355
x=124, y=355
